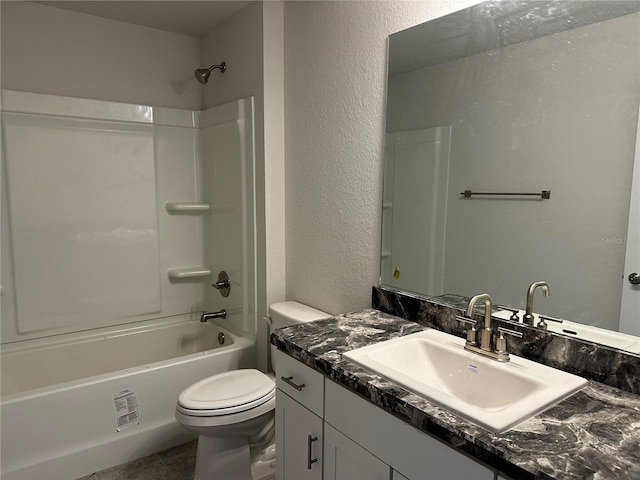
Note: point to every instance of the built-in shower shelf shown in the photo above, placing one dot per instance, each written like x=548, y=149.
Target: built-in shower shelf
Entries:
x=188, y=272
x=187, y=207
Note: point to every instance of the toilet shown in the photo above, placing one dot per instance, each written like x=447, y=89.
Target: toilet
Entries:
x=234, y=410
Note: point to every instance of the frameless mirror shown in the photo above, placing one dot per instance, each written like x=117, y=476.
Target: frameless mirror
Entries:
x=503, y=99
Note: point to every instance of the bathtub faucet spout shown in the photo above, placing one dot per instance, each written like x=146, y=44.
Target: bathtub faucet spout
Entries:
x=213, y=315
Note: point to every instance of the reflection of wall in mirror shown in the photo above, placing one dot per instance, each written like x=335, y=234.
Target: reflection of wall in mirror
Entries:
x=545, y=114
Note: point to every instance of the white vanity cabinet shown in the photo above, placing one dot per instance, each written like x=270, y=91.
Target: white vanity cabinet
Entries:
x=344, y=459
x=412, y=454
x=299, y=411
x=298, y=439
x=324, y=431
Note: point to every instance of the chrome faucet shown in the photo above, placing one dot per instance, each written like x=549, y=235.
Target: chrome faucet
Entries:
x=213, y=315
x=486, y=348
x=486, y=333
x=528, y=316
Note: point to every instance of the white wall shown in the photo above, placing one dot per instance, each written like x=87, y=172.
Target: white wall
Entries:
x=251, y=44
x=138, y=65
x=238, y=43
x=59, y=52
x=271, y=213
x=335, y=71
x=335, y=75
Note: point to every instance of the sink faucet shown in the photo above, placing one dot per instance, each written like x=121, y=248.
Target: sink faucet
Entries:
x=486, y=348
x=528, y=316
x=486, y=333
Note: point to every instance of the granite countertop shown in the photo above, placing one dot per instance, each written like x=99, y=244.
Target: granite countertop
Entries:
x=594, y=434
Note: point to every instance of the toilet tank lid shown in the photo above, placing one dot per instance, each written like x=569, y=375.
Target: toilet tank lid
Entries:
x=293, y=312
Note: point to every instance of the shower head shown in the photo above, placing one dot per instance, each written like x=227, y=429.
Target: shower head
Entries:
x=202, y=74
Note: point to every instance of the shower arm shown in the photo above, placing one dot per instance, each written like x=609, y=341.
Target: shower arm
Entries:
x=222, y=67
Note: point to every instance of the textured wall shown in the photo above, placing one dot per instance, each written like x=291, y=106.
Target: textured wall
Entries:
x=58, y=52
x=335, y=75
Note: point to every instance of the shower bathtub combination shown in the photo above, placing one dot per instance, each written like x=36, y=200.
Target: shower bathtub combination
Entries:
x=105, y=278
x=105, y=409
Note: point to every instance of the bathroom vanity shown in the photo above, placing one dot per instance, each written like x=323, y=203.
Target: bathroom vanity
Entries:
x=342, y=433
x=336, y=420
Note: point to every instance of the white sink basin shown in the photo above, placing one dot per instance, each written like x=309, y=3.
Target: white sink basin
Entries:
x=494, y=395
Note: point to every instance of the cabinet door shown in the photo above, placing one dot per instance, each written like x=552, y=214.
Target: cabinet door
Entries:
x=301, y=383
x=346, y=460
x=298, y=441
x=417, y=455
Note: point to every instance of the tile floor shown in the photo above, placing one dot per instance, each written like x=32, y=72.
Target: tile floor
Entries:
x=177, y=463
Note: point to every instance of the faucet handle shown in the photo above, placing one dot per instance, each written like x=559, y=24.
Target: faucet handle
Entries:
x=514, y=312
x=508, y=331
x=471, y=333
x=501, y=342
x=463, y=319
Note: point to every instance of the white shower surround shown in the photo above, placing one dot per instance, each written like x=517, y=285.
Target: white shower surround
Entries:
x=60, y=422
x=179, y=152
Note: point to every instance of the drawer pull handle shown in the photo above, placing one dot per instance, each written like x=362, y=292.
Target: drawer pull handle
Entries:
x=310, y=461
x=288, y=381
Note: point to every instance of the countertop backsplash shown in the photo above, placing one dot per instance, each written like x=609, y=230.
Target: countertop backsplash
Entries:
x=590, y=360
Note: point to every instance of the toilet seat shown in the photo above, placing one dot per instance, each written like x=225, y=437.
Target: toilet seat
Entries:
x=227, y=393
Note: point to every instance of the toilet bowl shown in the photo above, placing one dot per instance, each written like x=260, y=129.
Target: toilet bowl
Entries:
x=227, y=411
x=235, y=410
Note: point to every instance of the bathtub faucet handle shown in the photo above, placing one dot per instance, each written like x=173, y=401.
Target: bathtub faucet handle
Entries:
x=223, y=284
x=213, y=315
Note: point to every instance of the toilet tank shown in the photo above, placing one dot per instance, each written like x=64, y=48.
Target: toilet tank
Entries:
x=284, y=314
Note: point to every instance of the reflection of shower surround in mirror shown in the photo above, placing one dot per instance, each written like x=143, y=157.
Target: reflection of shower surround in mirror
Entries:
x=558, y=112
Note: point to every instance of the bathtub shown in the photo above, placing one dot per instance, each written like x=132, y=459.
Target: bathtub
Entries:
x=78, y=404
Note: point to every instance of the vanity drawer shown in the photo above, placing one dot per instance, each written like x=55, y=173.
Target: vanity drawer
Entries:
x=300, y=382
